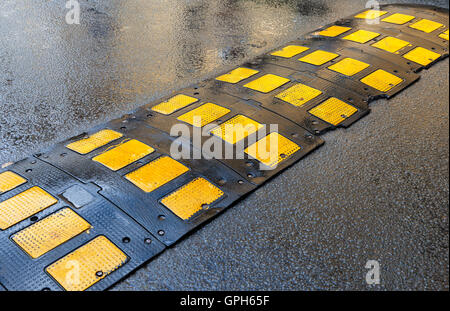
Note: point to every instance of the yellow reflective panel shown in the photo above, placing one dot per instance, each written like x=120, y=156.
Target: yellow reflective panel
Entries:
x=349, y=66
x=299, y=94
x=124, y=154
x=94, y=141
x=362, y=36
x=334, y=31
x=236, y=129
x=24, y=205
x=290, y=51
x=333, y=111
x=87, y=265
x=422, y=56
x=272, y=149
x=426, y=25
x=391, y=44
x=237, y=75
x=444, y=35
x=157, y=173
x=267, y=83
x=371, y=14
x=9, y=181
x=382, y=80
x=50, y=232
x=175, y=103
x=398, y=19
x=192, y=198
x=318, y=57
x=204, y=114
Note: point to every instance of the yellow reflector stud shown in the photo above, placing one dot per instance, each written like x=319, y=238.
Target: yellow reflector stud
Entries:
x=371, y=14
x=94, y=141
x=236, y=129
x=381, y=80
x=192, y=198
x=318, y=57
x=422, y=56
x=9, y=181
x=272, y=149
x=267, y=83
x=398, y=19
x=237, y=75
x=299, y=94
x=362, y=36
x=334, y=31
x=87, y=265
x=173, y=104
x=391, y=44
x=349, y=66
x=124, y=154
x=157, y=173
x=426, y=25
x=444, y=35
x=24, y=205
x=333, y=111
x=290, y=51
x=50, y=232
x=204, y=114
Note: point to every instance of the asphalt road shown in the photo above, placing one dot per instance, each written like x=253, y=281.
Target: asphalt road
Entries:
x=376, y=191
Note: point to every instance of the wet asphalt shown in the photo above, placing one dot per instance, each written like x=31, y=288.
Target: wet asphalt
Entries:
x=376, y=191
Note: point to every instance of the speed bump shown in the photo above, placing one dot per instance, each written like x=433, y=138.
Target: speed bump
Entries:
x=391, y=44
x=236, y=129
x=333, y=111
x=362, y=36
x=175, y=103
x=94, y=141
x=291, y=50
x=349, y=66
x=398, y=18
x=333, y=31
x=9, y=181
x=370, y=14
x=426, y=25
x=237, y=75
x=319, y=57
x=382, y=80
x=422, y=56
x=204, y=114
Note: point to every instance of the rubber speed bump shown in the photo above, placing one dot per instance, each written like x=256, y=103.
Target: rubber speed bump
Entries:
x=236, y=129
x=444, y=35
x=47, y=234
x=290, y=51
x=422, y=56
x=299, y=94
x=398, y=19
x=24, y=205
x=382, y=80
x=197, y=195
x=426, y=25
x=334, y=31
x=124, y=154
x=267, y=83
x=333, y=111
x=9, y=181
x=362, y=36
x=349, y=66
x=318, y=58
x=157, y=173
x=371, y=14
x=87, y=265
x=95, y=141
x=204, y=114
x=175, y=103
x=237, y=75
x=272, y=149
x=391, y=44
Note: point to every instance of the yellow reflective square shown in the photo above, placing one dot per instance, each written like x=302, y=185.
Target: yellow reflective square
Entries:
x=9, y=181
x=362, y=36
x=398, y=19
x=124, y=154
x=272, y=149
x=391, y=44
x=267, y=83
x=422, y=56
x=47, y=234
x=299, y=94
x=334, y=31
x=371, y=14
x=24, y=205
x=318, y=57
x=236, y=129
x=333, y=111
x=192, y=198
x=94, y=141
x=156, y=174
x=349, y=66
x=290, y=51
x=175, y=103
x=426, y=25
x=444, y=35
x=87, y=265
x=237, y=75
x=382, y=80
x=204, y=114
